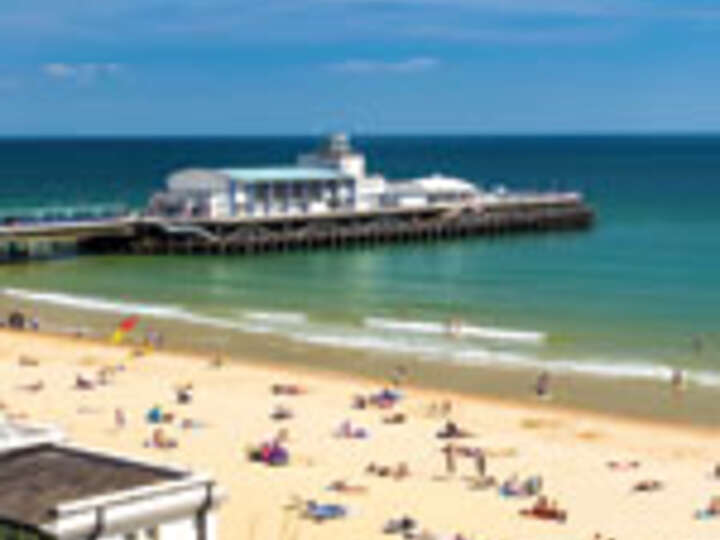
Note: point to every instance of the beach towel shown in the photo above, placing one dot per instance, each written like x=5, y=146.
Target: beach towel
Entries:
x=321, y=512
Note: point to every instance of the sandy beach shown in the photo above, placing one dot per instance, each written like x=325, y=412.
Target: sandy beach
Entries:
x=231, y=410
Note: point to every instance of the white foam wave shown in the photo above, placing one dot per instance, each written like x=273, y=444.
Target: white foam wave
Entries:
x=94, y=304
x=91, y=303
x=367, y=342
x=176, y=313
x=404, y=339
x=276, y=317
x=480, y=332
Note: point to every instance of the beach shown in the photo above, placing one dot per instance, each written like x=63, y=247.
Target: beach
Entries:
x=230, y=411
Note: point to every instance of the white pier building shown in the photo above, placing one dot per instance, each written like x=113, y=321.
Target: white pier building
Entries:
x=332, y=179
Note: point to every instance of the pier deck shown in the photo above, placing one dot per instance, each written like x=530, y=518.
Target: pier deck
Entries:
x=152, y=235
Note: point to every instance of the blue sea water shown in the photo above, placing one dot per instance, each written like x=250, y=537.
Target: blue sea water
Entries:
x=634, y=296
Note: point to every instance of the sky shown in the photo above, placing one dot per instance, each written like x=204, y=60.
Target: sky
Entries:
x=241, y=67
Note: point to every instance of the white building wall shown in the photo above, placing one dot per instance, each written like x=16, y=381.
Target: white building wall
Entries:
x=212, y=525
x=412, y=201
x=220, y=205
x=183, y=529
x=351, y=164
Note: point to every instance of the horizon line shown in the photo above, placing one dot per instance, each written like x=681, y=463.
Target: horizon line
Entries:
x=389, y=134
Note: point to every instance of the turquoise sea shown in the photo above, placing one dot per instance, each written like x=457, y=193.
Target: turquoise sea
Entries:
x=633, y=297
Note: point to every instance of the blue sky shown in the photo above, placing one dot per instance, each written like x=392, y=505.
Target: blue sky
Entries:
x=366, y=66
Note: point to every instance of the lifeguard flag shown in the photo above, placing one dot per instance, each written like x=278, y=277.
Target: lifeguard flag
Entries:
x=125, y=326
x=128, y=324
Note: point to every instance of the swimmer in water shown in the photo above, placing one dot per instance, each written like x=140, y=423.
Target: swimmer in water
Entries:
x=454, y=327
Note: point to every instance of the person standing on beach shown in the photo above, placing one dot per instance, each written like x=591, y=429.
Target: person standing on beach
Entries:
x=449, y=451
x=120, y=419
x=480, y=462
x=542, y=385
x=678, y=381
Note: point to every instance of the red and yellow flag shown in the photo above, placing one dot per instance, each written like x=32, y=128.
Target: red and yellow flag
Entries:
x=125, y=326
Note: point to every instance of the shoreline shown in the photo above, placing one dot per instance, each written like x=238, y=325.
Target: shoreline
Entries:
x=426, y=391
x=620, y=397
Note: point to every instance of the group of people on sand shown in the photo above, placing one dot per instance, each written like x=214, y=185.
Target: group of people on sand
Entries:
x=477, y=454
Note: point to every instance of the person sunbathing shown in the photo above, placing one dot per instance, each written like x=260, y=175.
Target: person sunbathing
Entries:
x=512, y=487
x=27, y=361
x=397, y=418
x=270, y=453
x=452, y=431
x=623, y=465
x=379, y=470
x=184, y=393
x=359, y=402
x=287, y=389
x=191, y=423
x=281, y=413
x=37, y=386
x=399, y=472
x=648, y=485
x=83, y=383
x=341, y=486
x=544, y=509
x=347, y=431
x=386, y=398
x=404, y=525
x=712, y=510
x=160, y=440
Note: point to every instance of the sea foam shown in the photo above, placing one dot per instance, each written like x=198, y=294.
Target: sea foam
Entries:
x=416, y=338
x=479, y=332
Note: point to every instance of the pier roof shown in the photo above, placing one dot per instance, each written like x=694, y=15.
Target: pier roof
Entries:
x=283, y=174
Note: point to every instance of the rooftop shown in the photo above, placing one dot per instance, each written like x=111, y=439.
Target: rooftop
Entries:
x=283, y=174
x=35, y=480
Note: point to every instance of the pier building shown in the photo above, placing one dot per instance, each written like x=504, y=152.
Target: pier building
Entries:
x=332, y=179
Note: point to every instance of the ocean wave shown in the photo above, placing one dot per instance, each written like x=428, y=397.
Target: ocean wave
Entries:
x=414, y=338
x=368, y=342
x=436, y=328
x=276, y=317
x=91, y=303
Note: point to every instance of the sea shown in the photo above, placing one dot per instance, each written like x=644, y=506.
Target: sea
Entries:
x=634, y=297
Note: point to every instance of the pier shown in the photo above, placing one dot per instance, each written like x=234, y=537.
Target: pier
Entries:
x=144, y=235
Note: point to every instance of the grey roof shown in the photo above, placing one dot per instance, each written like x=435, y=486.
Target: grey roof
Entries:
x=283, y=174
x=35, y=480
